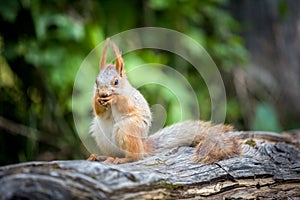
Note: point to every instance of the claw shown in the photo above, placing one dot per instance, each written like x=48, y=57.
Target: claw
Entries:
x=105, y=101
x=106, y=98
x=95, y=157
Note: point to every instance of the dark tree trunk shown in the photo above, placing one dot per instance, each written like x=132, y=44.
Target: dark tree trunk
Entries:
x=272, y=36
x=268, y=169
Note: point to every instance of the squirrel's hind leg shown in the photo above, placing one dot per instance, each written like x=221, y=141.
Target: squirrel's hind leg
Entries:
x=95, y=157
x=119, y=160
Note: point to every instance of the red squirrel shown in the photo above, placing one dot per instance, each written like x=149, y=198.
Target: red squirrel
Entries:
x=122, y=119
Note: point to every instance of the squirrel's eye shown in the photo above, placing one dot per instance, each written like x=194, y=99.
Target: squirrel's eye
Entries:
x=116, y=82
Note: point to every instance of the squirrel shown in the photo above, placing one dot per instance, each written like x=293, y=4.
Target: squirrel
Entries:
x=122, y=119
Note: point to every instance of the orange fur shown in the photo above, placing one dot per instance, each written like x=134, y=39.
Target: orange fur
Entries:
x=130, y=138
x=134, y=147
x=216, y=146
x=97, y=107
x=119, y=60
x=217, y=153
x=124, y=105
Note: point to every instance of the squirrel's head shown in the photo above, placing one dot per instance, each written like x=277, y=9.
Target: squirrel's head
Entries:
x=112, y=77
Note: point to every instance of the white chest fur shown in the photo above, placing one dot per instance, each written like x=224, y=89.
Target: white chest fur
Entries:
x=102, y=131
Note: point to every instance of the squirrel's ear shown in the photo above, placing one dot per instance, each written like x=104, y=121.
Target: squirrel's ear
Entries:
x=103, y=57
x=119, y=60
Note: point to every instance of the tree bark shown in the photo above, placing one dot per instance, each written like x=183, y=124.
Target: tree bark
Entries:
x=269, y=168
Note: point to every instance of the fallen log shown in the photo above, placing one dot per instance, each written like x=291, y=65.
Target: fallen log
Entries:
x=269, y=168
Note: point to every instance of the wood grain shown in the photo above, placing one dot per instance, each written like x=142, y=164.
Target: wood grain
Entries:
x=268, y=169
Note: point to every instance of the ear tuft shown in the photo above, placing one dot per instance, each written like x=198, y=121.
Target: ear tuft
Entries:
x=119, y=59
x=103, y=57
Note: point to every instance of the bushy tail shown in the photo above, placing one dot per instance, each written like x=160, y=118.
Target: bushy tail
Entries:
x=210, y=141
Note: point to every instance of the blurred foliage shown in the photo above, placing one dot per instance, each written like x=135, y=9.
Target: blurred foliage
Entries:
x=263, y=112
x=44, y=42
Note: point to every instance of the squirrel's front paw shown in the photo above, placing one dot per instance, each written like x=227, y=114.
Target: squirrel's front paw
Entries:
x=106, y=101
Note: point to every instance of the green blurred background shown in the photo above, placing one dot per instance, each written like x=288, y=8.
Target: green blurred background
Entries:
x=255, y=44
